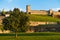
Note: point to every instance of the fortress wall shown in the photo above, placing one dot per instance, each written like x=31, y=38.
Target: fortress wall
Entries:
x=39, y=12
x=56, y=13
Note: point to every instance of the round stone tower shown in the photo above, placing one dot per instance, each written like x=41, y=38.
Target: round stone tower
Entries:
x=28, y=9
x=51, y=11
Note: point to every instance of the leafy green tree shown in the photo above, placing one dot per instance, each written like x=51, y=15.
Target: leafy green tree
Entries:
x=24, y=19
x=16, y=21
x=10, y=12
x=3, y=12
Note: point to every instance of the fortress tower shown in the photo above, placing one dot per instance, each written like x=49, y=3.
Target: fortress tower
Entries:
x=51, y=11
x=28, y=9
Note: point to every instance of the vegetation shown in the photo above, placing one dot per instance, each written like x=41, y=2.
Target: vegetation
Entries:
x=43, y=18
x=17, y=21
x=3, y=12
x=32, y=36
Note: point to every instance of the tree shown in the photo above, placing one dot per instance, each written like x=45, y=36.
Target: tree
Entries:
x=58, y=10
x=24, y=19
x=16, y=21
x=3, y=12
x=10, y=12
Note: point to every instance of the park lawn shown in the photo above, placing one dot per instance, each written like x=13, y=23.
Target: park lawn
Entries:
x=43, y=18
x=32, y=36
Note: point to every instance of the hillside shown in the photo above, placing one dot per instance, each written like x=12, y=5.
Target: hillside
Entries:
x=35, y=17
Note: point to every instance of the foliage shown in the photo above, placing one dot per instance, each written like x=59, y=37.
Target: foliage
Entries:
x=17, y=21
x=3, y=12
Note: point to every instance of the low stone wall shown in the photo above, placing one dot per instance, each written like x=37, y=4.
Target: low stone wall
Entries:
x=4, y=31
x=32, y=23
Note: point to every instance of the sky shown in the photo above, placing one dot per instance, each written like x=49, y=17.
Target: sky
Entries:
x=35, y=4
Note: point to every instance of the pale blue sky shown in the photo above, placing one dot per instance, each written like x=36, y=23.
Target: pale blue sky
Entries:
x=35, y=4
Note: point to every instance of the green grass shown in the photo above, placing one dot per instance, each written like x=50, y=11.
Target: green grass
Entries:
x=32, y=36
x=44, y=18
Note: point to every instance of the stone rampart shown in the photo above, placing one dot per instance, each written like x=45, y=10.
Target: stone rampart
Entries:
x=39, y=12
x=32, y=23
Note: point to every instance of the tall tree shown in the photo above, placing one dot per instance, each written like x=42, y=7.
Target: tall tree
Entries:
x=3, y=12
x=16, y=21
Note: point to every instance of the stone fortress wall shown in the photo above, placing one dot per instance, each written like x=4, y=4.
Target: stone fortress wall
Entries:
x=41, y=12
x=56, y=14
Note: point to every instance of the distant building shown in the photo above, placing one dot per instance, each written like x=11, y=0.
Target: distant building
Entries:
x=7, y=15
x=1, y=18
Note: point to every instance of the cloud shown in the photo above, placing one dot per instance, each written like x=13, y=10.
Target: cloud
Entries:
x=22, y=9
x=56, y=9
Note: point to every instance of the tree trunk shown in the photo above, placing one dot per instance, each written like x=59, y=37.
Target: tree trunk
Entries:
x=16, y=35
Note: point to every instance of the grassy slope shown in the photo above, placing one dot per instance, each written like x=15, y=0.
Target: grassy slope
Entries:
x=32, y=36
x=35, y=17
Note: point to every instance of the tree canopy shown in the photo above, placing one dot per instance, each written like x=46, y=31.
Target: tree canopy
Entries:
x=17, y=21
